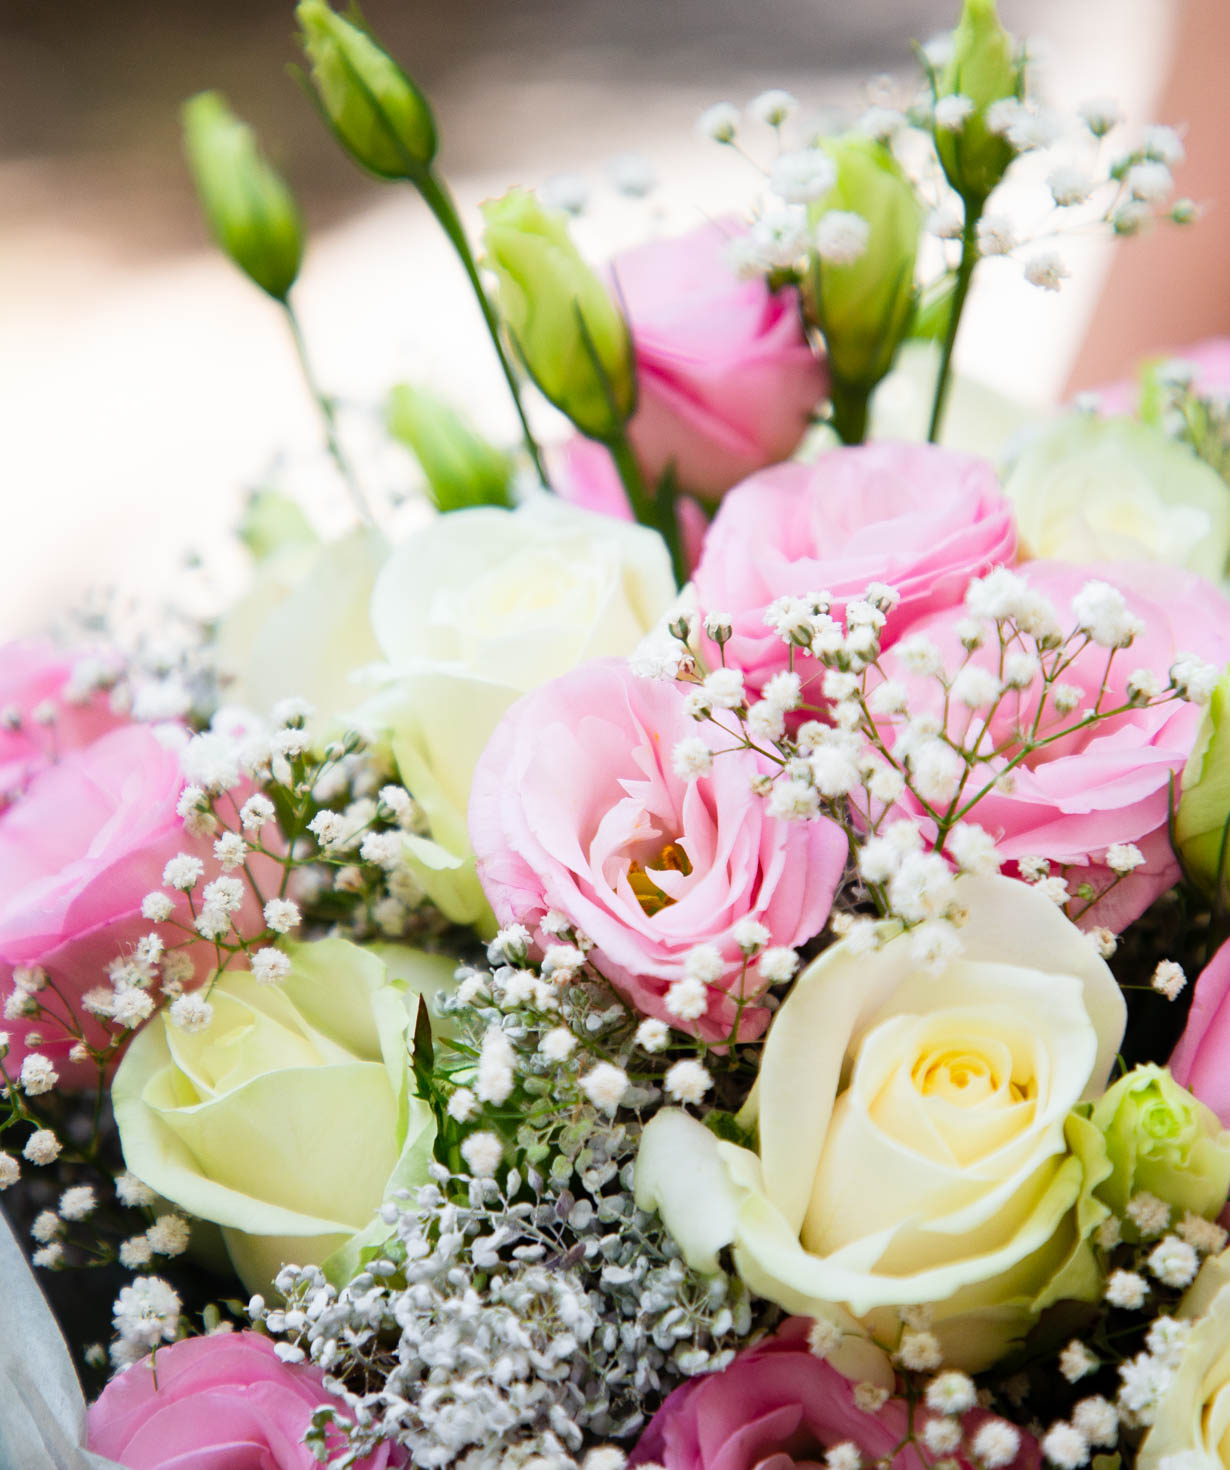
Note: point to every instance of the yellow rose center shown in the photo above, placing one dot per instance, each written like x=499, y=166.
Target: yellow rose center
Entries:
x=671, y=859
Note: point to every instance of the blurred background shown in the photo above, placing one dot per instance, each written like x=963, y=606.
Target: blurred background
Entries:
x=144, y=385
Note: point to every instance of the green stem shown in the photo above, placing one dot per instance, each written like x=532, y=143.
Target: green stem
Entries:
x=965, y=273
x=438, y=200
x=656, y=511
x=329, y=416
x=849, y=412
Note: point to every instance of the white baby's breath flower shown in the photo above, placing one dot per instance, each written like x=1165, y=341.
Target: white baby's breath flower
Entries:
x=652, y=1035
x=191, y=1013
x=1046, y=269
x=687, y=1081
x=183, y=872
x=605, y=1085
x=37, y=1074
x=462, y=1105
x=1065, y=1446
x=802, y=176
x=996, y=1443
x=157, y=907
x=10, y=1170
x=691, y=758
x=1077, y=1362
x=1127, y=1290
x=773, y=107
x=557, y=1044
x=42, y=1147
x=78, y=1203
x=842, y=237
x=1173, y=1262
x=719, y=123
x=1168, y=979
x=482, y=1153
x=169, y=1235
x=688, y=999
x=996, y=235
x=281, y=915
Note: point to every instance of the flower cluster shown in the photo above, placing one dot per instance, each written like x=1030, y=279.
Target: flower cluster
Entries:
x=716, y=960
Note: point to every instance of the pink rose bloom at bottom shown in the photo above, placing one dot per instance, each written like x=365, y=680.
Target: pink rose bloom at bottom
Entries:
x=779, y=1407
x=1201, y=1060
x=225, y=1402
x=576, y=807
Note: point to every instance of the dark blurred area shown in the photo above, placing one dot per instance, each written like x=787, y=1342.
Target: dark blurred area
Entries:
x=89, y=93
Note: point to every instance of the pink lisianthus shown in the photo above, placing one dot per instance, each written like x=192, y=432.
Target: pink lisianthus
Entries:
x=726, y=381
x=43, y=714
x=87, y=840
x=576, y=807
x=224, y=1400
x=1108, y=783
x=1201, y=1060
x=779, y=1407
x=584, y=474
x=919, y=518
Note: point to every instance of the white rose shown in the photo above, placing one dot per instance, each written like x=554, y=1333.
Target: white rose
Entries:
x=1192, y=1417
x=1111, y=489
x=915, y=1143
x=303, y=630
x=475, y=610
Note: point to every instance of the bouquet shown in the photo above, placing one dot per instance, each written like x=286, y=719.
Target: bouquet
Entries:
x=709, y=951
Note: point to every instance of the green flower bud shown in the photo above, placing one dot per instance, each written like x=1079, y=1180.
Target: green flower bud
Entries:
x=250, y=211
x=1200, y=827
x=566, y=328
x=863, y=305
x=985, y=67
x=1161, y=1141
x=376, y=112
x=462, y=469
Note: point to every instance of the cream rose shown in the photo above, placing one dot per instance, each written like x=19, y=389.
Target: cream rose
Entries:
x=915, y=1137
x=475, y=610
x=1089, y=488
x=1192, y=1417
x=290, y=1118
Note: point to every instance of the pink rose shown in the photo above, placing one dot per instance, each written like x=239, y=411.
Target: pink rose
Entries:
x=584, y=474
x=79, y=850
x=42, y=715
x=221, y=1401
x=921, y=519
x=726, y=381
x=1199, y=1062
x=576, y=807
x=1210, y=361
x=779, y=1407
x=1108, y=783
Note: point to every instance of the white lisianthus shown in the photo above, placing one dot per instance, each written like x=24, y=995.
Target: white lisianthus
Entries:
x=1091, y=489
x=915, y=1137
x=475, y=610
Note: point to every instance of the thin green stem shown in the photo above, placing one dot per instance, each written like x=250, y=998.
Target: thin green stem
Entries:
x=439, y=201
x=657, y=511
x=965, y=274
x=329, y=416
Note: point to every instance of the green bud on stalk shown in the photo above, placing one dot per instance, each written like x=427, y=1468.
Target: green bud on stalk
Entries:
x=462, y=468
x=564, y=324
x=985, y=67
x=863, y=304
x=376, y=112
x=251, y=212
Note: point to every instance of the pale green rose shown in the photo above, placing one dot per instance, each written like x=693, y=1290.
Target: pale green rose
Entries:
x=1163, y=1141
x=1192, y=1418
x=1094, y=489
x=475, y=610
x=1201, y=822
x=291, y=1118
x=303, y=630
x=916, y=1141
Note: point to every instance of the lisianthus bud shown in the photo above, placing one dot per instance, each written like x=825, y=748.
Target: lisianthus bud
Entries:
x=377, y=113
x=985, y=68
x=462, y=469
x=1161, y=1141
x=566, y=328
x=862, y=302
x=251, y=212
x=1200, y=828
